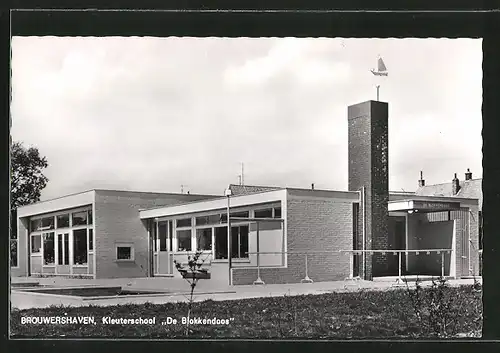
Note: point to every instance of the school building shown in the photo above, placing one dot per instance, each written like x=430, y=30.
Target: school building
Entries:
x=277, y=234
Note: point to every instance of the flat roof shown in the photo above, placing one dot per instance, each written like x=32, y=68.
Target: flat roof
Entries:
x=213, y=204
x=423, y=206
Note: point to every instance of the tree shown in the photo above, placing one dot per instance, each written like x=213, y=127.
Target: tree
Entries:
x=27, y=178
x=27, y=182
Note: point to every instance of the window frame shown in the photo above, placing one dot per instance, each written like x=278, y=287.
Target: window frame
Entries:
x=44, y=234
x=125, y=245
x=86, y=245
x=183, y=229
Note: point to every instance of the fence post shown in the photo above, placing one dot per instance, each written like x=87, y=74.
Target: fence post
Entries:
x=258, y=280
x=400, y=280
x=306, y=279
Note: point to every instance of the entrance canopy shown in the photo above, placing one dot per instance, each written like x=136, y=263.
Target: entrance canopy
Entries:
x=422, y=206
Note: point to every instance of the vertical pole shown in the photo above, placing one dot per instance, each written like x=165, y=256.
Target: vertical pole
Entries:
x=351, y=265
x=258, y=280
x=442, y=264
x=229, y=241
x=378, y=87
x=306, y=279
x=399, y=267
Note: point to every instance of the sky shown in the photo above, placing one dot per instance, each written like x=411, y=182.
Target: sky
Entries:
x=165, y=114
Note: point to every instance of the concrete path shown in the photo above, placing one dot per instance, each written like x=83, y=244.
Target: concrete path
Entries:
x=213, y=290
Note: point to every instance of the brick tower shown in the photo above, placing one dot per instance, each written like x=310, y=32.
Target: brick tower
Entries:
x=369, y=169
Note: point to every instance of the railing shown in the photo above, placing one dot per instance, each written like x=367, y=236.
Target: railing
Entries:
x=306, y=256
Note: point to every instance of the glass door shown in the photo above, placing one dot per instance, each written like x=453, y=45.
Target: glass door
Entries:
x=62, y=253
x=163, y=266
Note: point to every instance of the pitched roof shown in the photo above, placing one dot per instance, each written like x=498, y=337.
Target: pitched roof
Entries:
x=468, y=189
x=250, y=189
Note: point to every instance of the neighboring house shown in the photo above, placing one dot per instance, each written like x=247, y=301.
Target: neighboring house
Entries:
x=467, y=188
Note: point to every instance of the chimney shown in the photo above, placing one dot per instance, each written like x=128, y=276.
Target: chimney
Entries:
x=455, y=185
x=421, y=181
x=312, y=186
x=468, y=175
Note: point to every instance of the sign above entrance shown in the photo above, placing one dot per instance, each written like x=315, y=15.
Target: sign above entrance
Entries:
x=423, y=206
x=430, y=206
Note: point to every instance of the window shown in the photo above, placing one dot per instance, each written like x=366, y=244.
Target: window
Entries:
x=184, y=240
x=239, y=242
x=170, y=236
x=244, y=214
x=63, y=221
x=35, y=224
x=221, y=242
x=48, y=249
x=66, y=249
x=48, y=223
x=90, y=217
x=206, y=220
x=223, y=218
x=186, y=222
x=264, y=213
x=162, y=235
x=63, y=249
x=124, y=252
x=36, y=243
x=79, y=218
x=91, y=239
x=277, y=212
x=80, y=247
x=204, y=239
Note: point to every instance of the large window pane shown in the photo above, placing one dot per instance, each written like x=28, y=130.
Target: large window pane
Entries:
x=244, y=214
x=91, y=239
x=80, y=218
x=184, y=240
x=35, y=224
x=162, y=235
x=277, y=212
x=234, y=242
x=63, y=221
x=80, y=247
x=171, y=235
x=48, y=223
x=48, y=249
x=206, y=220
x=36, y=243
x=186, y=222
x=204, y=239
x=264, y=213
x=60, y=249
x=243, y=241
x=221, y=242
x=124, y=252
x=66, y=249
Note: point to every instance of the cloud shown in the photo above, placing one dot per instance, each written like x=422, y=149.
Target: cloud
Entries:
x=155, y=113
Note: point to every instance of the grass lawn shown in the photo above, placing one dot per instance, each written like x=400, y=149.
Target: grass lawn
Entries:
x=362, y=314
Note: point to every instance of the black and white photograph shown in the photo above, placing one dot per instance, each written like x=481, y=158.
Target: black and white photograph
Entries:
x=249, y=188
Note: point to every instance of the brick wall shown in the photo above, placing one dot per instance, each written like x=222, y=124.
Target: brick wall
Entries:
x=320, y=224
x=117, y=220
x=368, y=167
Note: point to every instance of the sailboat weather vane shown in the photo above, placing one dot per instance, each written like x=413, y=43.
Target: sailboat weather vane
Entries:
x=381, y=71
